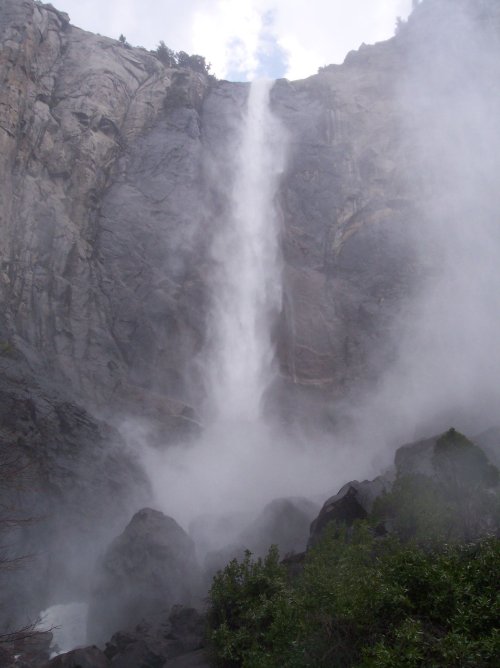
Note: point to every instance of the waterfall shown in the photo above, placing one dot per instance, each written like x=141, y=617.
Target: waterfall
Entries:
x=233, y=465
x=247, y=287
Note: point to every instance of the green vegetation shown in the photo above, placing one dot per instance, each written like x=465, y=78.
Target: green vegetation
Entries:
x=123, y=40
x=172, y=58
x=423, y=595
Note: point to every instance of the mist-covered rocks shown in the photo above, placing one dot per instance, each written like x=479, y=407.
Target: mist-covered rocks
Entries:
x=67, y=480
x=440, y=488
x=354, y=501
x=282, y=522
x=174, y=639
x=158, y=638
x=148, y=568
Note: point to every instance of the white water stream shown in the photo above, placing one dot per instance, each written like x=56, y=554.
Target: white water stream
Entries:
x=247, y=286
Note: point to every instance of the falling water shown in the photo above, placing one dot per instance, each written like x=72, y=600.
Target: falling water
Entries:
x=234, y=463
x=248, y=281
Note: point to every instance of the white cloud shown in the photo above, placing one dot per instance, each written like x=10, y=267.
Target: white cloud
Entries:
x=229, y=33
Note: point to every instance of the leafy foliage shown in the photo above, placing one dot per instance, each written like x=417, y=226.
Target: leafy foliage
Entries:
x=360, y=601
x=172, y=58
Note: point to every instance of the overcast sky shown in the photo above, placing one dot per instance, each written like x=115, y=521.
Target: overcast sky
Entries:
x=243, y=39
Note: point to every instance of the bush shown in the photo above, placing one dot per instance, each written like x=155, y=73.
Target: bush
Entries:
x=172, y=58
x=245, y=603
x=360, y=601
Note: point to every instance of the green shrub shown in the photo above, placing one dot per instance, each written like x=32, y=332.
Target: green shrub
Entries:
x=246, y=598
x=360, y=601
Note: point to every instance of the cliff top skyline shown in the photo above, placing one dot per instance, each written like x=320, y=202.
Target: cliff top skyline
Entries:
x=248, y=39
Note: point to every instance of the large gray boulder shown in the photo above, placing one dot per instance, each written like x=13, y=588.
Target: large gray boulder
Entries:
x=147, y=569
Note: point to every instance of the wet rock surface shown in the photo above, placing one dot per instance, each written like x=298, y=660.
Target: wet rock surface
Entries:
x=148, y=568
x=167, y=638
x=354, y=501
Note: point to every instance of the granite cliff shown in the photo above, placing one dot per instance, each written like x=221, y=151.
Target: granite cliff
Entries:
x=108, y=201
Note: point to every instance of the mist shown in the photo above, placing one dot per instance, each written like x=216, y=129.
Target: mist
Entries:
x=447, y=360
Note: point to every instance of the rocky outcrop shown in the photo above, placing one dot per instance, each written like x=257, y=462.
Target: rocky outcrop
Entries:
x=174, y=638
x=159, y=639
x=448, y=470
x=148, y=568
x=354, y=501
x=84, y=657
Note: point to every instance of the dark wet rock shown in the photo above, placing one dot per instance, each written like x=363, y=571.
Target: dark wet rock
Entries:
x=450, y=462
x=191, y=660
x=85, y=657
x=157, y=639
x=354, y=501
x=148, y=568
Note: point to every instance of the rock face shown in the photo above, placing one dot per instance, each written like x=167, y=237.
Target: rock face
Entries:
x=71, y=104
x=148, y=568
x=113, y=172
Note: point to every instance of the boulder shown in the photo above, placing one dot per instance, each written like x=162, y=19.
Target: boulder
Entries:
x=84, y=657
x=148, y=568
x=354, y=501
x=191, y=660
x=157, y=639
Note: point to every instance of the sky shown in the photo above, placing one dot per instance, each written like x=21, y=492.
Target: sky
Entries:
x=245, y=39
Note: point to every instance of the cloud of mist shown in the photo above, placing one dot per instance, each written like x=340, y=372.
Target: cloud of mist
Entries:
x=448, y=361
x=239, y=468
